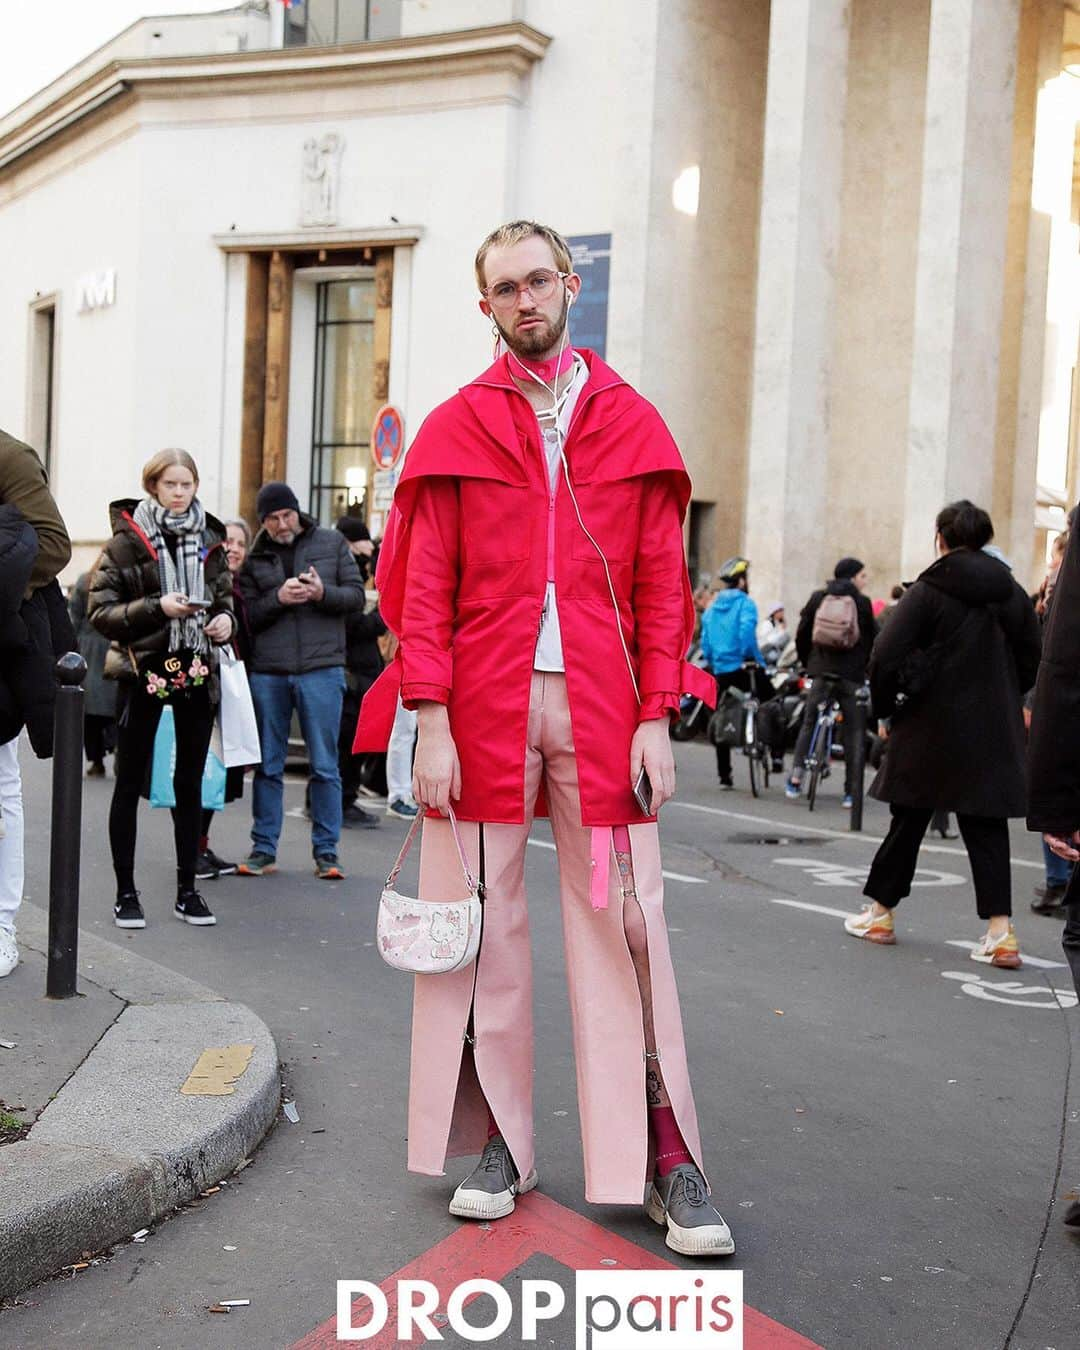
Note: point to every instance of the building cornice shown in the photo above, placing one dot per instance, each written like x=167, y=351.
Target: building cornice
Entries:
x=34, y=125
x=337, y=237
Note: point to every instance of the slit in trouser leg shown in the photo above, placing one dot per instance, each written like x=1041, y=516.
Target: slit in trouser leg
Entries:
x=489, y=1191
x=679, y=1196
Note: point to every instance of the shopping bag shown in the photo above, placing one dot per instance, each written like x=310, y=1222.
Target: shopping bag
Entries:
x=163, y=766
x=236, y=714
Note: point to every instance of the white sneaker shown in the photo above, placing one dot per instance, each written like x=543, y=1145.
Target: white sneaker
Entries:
x=9, y=953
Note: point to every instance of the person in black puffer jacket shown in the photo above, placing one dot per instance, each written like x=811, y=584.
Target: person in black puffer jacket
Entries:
x=165, y=551
x=963, y=646
x=299, y=584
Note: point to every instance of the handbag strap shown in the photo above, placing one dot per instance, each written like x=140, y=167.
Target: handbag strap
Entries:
x=417, y=822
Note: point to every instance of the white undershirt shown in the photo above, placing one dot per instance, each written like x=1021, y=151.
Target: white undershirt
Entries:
x=549, y=650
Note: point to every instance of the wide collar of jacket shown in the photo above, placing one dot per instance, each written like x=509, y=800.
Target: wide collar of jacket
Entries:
x=488, y=427
x=122, y=520
x=262, y=543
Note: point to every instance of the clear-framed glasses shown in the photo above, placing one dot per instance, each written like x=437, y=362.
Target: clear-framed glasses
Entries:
x=540, y=284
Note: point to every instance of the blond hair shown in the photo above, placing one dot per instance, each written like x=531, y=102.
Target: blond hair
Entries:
x=506, y=236
x=156, y=465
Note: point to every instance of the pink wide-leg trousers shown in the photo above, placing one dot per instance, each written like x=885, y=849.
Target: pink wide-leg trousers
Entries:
x=450, y=1079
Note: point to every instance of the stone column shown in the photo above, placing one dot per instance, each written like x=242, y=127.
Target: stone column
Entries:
x=961, y=263
x=800, y=215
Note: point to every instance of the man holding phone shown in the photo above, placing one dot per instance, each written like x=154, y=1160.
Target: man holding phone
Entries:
x=299, y=582
x=533, y=569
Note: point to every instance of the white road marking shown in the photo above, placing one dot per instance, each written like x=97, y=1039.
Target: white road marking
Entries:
x=786, y=827
x=816, y=909
x=1008, y=991
x=1028, y=960
x=671, y=876
x=835, y=874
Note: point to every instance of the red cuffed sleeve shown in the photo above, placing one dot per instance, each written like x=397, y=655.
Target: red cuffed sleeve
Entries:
x=430, y=594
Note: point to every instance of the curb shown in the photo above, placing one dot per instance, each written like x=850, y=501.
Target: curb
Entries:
x=119, y=1146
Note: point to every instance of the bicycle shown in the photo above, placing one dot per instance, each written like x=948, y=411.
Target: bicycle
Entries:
x=819, y=756
x=758, y=754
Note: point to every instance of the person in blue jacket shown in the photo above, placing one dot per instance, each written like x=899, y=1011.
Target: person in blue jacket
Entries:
x=728, y=639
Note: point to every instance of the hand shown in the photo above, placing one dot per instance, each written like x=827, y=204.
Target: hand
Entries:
x=313, y=582
x=293, y=592
x=219, y=628
x=651, y=749
x=1064, y=845
x=175, y=606
x=436, y=768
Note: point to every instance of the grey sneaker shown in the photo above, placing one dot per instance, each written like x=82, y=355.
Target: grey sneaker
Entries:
x=694, y=1227
x=488, y=1191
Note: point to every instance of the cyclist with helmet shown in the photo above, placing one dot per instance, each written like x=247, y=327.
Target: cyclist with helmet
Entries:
x=728, y=640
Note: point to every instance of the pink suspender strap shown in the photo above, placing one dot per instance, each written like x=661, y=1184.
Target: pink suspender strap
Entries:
x=600, y=837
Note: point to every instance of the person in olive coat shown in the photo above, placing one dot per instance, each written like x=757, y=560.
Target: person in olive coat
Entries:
x=1053, y=768
x=162, y=593
x=952, y=667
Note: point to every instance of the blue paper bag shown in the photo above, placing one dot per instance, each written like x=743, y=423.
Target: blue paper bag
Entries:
x=164, y=765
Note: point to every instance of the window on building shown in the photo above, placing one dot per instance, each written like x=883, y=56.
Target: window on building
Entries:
x=41, y=422
x=344, y=404
x=327, y=23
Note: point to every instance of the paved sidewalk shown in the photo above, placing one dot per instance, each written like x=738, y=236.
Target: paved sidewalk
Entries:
x=115, y=1144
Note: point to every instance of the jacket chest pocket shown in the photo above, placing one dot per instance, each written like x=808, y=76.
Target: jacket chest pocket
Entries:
x=496, y=520
x=611, y=513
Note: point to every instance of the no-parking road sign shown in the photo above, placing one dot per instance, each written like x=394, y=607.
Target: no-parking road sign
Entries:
x=387, y=436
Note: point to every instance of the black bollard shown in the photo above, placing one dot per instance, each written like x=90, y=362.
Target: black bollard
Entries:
x=858, y=746
x=66, y=827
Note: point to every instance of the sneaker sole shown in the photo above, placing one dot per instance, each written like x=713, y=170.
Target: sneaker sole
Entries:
x=208, y=876
x=129, y=923
x=333, y=874
x=196, y=923
x=226, y=871
x=689, y=1241
x=243, y=871
x=489, y=1206
x=1003, y=960
x=882, y=937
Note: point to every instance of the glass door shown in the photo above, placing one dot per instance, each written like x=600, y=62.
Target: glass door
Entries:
x=344, y=404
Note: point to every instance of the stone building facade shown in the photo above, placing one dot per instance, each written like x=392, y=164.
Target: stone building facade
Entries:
x=839, y=244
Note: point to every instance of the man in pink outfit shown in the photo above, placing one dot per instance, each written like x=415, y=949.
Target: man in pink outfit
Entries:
x=533, y=569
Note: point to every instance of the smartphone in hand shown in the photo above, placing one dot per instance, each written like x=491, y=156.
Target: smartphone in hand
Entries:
x=198, y=604
x=643, y=792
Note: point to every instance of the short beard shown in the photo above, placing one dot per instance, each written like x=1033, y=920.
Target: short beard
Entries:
x=536, y=341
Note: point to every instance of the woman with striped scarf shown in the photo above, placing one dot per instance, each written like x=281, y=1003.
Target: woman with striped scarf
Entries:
x=162, y=592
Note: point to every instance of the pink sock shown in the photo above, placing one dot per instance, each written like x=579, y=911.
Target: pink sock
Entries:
x=493, y=1129
x=670, y=1147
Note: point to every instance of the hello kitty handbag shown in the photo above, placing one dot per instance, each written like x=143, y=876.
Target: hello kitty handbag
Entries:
x=429, y=937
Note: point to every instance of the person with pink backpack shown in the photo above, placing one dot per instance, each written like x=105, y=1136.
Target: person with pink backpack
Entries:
x=835, y=635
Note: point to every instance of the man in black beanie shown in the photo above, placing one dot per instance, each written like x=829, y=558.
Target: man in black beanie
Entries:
x=835, y=635
x=363, y=666
x=299, y=583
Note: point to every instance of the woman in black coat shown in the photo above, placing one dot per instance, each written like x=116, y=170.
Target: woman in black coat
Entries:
x=961, y=649
x=1053, y=764
x=162, y=593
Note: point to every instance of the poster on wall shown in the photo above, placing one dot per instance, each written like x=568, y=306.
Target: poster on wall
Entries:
x=591, y=254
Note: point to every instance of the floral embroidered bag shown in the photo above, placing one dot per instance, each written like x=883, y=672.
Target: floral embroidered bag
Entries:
x=429, y=937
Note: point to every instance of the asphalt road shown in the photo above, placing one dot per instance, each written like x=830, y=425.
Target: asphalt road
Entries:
x=885, y=1128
